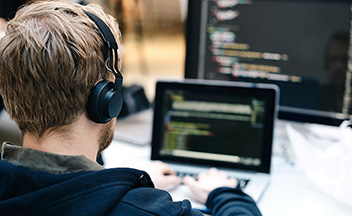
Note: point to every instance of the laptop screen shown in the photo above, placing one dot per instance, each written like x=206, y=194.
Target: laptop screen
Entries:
x=214, y=123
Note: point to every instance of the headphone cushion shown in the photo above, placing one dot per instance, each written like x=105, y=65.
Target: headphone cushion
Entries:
x=103, y=102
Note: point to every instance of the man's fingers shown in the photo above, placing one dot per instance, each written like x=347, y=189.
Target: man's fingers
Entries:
x=189, y=181
x=222, y=174
x=163, y=167
x=212, y=171
x=172, y=180
x=233, y=182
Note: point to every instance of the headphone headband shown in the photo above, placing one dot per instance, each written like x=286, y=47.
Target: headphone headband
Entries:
x=105, y=32
x=110, y=42
x=105, y=100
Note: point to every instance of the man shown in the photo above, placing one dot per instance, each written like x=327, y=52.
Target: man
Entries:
x=52, y=61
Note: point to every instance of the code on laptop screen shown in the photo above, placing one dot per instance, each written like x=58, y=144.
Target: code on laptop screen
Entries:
x=214, y=126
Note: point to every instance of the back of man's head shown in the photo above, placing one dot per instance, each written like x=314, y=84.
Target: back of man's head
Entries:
x=51, y=57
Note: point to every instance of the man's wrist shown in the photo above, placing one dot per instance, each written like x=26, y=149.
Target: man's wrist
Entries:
x=209, y=203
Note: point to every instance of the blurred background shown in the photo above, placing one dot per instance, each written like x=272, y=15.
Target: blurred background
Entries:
x=153, y=39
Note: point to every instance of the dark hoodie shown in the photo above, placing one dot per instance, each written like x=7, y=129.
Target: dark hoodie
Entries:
x=118, y=191
x=27, y=187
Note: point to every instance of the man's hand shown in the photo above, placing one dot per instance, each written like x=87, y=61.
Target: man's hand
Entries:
x=207, y=182
x=162, y=176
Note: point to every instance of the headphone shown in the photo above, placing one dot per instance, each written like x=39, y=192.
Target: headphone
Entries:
x=105, y=100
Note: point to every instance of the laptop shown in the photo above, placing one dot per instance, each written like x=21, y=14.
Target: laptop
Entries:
x=199, y=124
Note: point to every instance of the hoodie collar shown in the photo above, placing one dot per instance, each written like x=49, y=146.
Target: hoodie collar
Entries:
x=45, y=161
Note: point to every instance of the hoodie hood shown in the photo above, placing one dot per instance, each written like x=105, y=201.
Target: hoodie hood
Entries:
x=28, y=192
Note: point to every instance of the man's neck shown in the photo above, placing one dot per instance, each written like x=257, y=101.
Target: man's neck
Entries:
x=78, y=138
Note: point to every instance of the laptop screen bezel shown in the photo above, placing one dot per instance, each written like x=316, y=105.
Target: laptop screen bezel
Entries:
x=265, y=91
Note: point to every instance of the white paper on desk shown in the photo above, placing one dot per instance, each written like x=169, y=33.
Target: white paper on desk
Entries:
x=329, y=166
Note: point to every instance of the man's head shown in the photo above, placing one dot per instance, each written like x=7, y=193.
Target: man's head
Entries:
x=50, y=58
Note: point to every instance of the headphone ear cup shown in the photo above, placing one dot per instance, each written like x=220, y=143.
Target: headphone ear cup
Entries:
x=104, y=103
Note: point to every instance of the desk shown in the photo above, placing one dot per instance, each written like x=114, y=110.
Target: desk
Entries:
x=290, y=192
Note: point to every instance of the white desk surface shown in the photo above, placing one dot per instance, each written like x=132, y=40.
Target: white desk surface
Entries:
x=290, y=192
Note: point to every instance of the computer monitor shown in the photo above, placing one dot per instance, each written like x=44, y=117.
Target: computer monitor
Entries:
x=300, y=45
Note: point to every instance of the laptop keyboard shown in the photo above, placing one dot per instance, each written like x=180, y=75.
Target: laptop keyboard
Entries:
x=241, y=182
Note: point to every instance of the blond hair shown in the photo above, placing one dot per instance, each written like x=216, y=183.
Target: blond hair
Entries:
x=50, y=58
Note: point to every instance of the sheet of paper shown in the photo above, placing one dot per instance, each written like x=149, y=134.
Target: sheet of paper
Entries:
x=325, y=154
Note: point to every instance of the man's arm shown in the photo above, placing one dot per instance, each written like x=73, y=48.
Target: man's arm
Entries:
x=212, y=188
x=231, y=201
x=221, y=195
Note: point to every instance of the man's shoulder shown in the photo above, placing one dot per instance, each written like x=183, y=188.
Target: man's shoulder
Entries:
x=151, y=201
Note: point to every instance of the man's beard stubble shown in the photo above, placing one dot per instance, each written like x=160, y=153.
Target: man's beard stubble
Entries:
x=106, y=135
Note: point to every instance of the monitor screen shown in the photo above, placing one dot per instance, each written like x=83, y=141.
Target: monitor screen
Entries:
x=300, y=45
x=221, y=123
x=199, y=121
